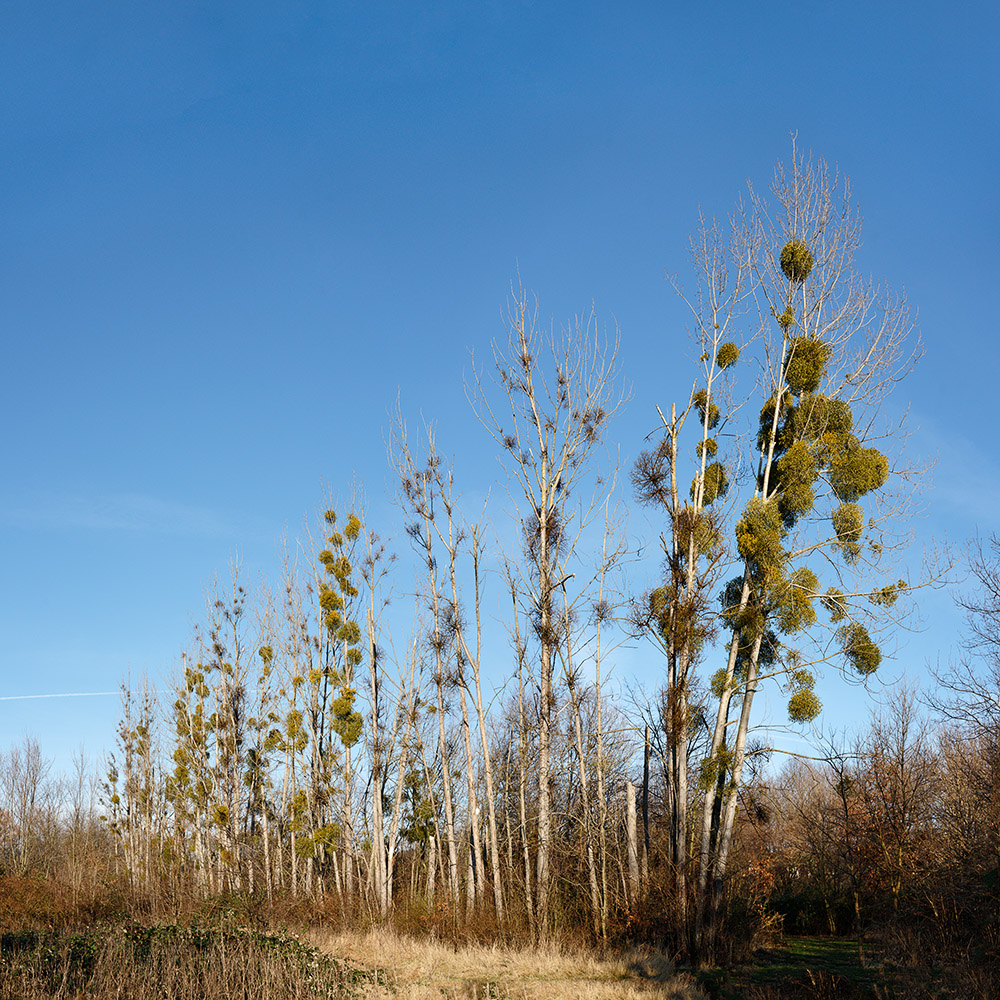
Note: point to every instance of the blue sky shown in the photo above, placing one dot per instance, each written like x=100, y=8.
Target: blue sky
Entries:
x=230, y=234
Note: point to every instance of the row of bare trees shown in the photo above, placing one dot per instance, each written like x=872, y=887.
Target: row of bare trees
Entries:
x=785, y=326
x=311, y=751
x=316, y=744
x=427, y=790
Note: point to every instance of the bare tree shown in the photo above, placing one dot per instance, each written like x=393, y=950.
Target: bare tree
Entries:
x=23, y=777
x=417, y=497
x=548, y=430
x=968, y=692
x=375, y=562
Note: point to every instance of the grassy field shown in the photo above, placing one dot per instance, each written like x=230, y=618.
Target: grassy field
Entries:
x=178, y=962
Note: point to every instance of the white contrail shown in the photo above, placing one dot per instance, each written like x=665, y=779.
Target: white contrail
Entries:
x=70, y=694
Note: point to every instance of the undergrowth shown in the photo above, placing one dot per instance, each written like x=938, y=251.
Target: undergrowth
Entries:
x=172, y=961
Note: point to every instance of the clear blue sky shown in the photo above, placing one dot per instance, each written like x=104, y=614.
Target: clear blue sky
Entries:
x=231, y=233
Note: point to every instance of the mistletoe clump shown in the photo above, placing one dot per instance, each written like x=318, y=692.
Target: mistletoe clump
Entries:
x=886, y=597
x=803, y=706
x=849, y=522
x=796, y=261
x=660, y=604
x=759, y=537
x=859, y=649
x=346, y=722
x=728, y=355
x=807, y=364
x=706, y=409
x=795, y=601
x=698, y=529
x=818, y=418
x=767, y=413
x=716, y=484
x=835, y=603
x=712, y=767
x=796, y=472
x=855, y=470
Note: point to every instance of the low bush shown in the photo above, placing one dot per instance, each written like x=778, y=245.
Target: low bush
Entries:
x=172, y=961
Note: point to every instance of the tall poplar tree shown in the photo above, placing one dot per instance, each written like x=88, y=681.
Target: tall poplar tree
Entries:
x=820, y=495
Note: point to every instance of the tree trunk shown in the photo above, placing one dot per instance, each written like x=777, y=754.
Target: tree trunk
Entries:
x=645, y=809
x=632, y=845
x=587, y=825
x=474, y=890
x=431, y=867
x=481, y=716
x=522, y=786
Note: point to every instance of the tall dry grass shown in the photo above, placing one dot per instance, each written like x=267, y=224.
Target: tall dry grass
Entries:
x=423, y=969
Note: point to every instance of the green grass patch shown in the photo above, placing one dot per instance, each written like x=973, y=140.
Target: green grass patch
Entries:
x=836, y=956
x=816, y=968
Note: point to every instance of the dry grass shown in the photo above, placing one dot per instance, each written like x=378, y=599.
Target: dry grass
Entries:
x=422, y=969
